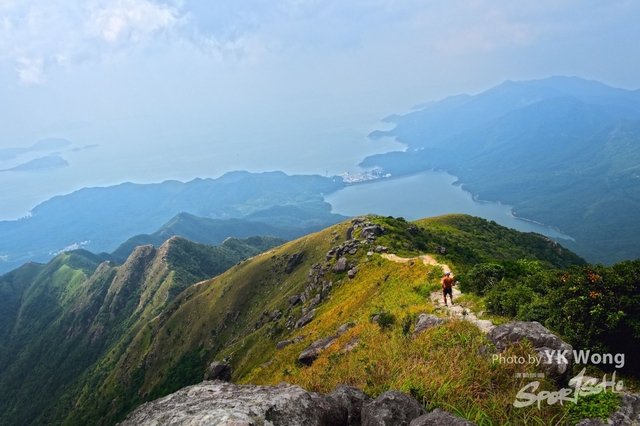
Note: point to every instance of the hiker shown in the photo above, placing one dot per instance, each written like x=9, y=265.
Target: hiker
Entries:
x=447, y=284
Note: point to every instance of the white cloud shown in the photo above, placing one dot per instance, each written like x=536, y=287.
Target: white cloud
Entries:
x=37, y=35
x=133, y=21
x=30, y=71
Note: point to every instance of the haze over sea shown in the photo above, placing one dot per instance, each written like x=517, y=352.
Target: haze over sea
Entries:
x=331, y=146
x=101, y=156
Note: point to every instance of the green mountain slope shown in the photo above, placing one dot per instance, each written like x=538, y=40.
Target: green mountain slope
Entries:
x=242, y=314
x=563, y=152
x=57, y=320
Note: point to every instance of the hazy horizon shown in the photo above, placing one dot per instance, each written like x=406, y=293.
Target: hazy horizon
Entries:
x=182, y=89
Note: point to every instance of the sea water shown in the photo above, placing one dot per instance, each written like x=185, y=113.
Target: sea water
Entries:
x=431, y=193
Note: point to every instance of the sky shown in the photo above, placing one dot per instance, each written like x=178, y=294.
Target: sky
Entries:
x=175, y=89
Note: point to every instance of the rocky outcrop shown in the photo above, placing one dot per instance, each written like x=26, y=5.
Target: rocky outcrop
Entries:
x=293, y=261
x=426, y=321
x=313, y=350
x=440, y=418
x=294, y=300
x=305, y=319
x=544, y=342
x=218, y=371
x=228, y=404
x=392, y=408
x=352, y=399
x=629, y=412
x=341, y=265
x=283, y=344
x=220, y=403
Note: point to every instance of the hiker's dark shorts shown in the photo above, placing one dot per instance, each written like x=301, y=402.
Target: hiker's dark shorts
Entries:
x=448, y=291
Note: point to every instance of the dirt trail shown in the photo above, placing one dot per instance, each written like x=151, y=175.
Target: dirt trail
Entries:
x=454, y=310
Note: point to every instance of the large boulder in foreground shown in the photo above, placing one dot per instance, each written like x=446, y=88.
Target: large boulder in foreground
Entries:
x=353, y=399
x=392, y=408
x=557, y=355
x=227, y=404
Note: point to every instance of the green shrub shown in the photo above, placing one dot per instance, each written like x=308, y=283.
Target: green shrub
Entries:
x=481, y=278
x=506, y=298
x=386, y=319
x=599, y=405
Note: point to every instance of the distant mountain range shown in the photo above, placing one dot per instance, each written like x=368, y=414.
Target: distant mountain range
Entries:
x=563, y=151
x=238, y=204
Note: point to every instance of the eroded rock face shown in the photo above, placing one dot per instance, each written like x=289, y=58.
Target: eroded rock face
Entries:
x=440, y=418
x=544, y=342
x=392, y=408
x=226, y=404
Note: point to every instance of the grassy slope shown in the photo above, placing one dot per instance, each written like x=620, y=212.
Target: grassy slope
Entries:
x=215, y=319
x=59, y=319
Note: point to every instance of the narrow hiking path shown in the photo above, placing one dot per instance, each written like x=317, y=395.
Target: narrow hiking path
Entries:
x=454, y=310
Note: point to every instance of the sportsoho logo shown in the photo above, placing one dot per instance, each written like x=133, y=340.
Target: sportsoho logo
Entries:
x=580, y=385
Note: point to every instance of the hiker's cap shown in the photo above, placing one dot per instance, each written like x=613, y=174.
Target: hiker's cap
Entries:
x=447, y=273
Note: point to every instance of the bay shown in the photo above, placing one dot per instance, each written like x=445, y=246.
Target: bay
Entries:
x=426, y=194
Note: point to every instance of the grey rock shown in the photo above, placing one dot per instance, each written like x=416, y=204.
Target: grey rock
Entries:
x=218, y=371
x=352, y=399
x=349, y=232
x=372, y=231
x=426, y=321
x=341, y=265
x=283, y=344
x=440, y=418
x=413, y=229
x=541, y=339
x=220, y=403
x=344, y=328
x=299, y=338
x=381, y=249
x=275, y=316
x=305, y=319
x=315, y=301
x=350, y=345
x=352, y=272
x=294, y=300
x=392, y=408
x=629, y=412
x=293, y=261
x=312, y=351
